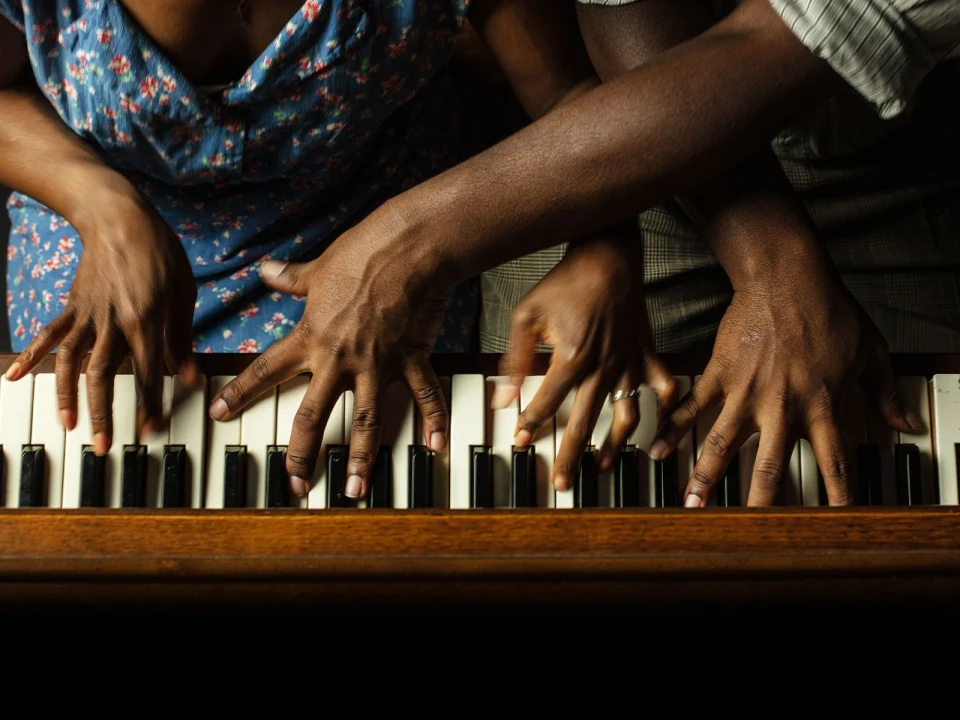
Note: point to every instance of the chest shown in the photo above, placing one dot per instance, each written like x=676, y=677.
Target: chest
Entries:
x=212, y=41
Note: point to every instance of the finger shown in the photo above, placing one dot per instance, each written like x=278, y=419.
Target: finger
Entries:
x=178, y=331
x=306, y=436
x=147, y=358
x=773, y=457
x=830, y=449
x=289, y=278
x=278, y=364
x=557, y=384
x=517, y=362
x=626, y=418
x=661, y=381
x=702, y=396
x=365, y=436
x=880, y=390
x=428, y=395
x=107, y=355
x=67, y=369
x=723, y=441
x=41, y=346
x=583, y=418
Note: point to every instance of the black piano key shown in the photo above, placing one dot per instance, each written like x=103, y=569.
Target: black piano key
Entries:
x=585, y=491
x=337, y=456
x=3, y=472
x=421, y=477
x=665, y=481
x=381, y=480
x=626, y=479
x=906, y=463
x=235, y=476
x=728, y=490
x=278, y=482
x=481, y=476
x=174, y=478
x=92, y=472
x=133, y=493
x=869, y=485
x=32, y=476
x=524, y=476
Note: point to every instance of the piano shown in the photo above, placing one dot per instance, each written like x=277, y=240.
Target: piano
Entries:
x=201, y=515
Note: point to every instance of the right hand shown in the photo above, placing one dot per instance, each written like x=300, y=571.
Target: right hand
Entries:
x=133, y=292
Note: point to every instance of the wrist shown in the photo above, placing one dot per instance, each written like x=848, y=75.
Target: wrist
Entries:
x=101, y=197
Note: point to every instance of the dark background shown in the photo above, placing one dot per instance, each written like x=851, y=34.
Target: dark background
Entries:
x=4, y=234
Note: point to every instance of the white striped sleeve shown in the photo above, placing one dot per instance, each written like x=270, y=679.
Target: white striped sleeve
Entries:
x=882, y=48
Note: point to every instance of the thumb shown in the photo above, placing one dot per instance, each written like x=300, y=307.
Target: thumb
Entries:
x=517, y=361
x=880, y=388
x=661, y=381
x=290, y=278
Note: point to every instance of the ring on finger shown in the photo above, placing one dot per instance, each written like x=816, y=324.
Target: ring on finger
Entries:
x=624, y=394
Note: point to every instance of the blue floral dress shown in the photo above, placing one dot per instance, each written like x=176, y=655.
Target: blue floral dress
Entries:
x=346, y=108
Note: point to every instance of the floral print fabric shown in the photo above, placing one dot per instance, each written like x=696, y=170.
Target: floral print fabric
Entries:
x=346, y=108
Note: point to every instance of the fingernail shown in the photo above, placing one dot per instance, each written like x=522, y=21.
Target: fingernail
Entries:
x=271, y=269
x=658, y=449
x=437, y=442
x=561, y=482
x=12, y=371
x=68, y=419
x=298, y=486
x=522, y=438
x=913, y=421
x=604, y=464
x=503, y=395
x=354, y=486
x=101, y=443
x=218, y=409
x=692, y=501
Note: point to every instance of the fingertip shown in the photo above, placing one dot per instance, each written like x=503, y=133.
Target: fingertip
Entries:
x=503, y=395
x=299, y=486
x=658, y=450
x=101, y=443
x=12, y=371
x=438, y=442
x=68, y=419
x=913, y=422
x=522, y=438
x=354, y=487
x=218, y=409
x=561, y=482
x=692, y=501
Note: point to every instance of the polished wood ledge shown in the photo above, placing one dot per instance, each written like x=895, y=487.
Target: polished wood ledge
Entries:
x=435, y=560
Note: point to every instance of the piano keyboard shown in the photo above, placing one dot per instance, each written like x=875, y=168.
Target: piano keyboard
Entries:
x=199, y=463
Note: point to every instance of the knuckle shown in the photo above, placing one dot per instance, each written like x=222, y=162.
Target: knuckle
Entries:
x=98, y=373
x=837, y=469
x=366, y=419
x=262, y=368
x=528, y=420
x=360, y=458
x=702, y=479
x=100, y=419
x=429, y=395
x=298, y=461
x=308, y=415
x=718, y=443
x=767, y=472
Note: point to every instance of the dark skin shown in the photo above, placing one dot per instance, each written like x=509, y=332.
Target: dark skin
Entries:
x=689, y=113
x=766, y=243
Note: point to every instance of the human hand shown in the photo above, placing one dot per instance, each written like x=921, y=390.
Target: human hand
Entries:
x=371, y=317
x=786, y=354
x=591, y=309
x=133, y=292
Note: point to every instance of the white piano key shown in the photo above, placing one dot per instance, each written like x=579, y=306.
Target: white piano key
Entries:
x=441, y=461
x=124, y=433
x=915, y=392
x=642, y=438
x=155, y=442
x=467, y=420
x=76, y=439
x=544, y=448
x=499, y=432
x=48, y=432
x=809, y=475
x=685, y=449
x=188, y=425
x=291, y=394
x=258, y=430
x=605, y=490
x=16, y=409
x=946, y=421
x=221, y=435
x=399, y=434
x=564, y=499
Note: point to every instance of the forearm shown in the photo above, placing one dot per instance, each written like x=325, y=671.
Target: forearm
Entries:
x=658, y=130
x=754, y=195
x=43, y=159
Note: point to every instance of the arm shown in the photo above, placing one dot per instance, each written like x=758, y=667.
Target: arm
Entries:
x=42, y=158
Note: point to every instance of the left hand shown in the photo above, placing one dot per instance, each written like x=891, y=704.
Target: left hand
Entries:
x=591, y=309
x=371, y=317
